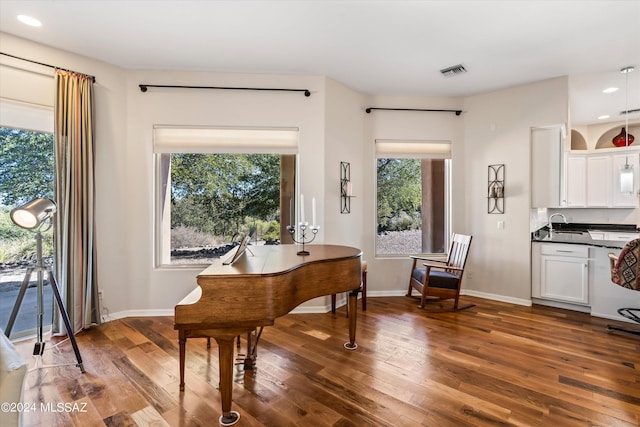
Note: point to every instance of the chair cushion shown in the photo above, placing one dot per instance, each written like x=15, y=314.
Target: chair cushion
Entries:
x=626, y=271
x=437, y=278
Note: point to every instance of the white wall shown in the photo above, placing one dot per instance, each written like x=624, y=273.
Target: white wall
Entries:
x=161, y=288
x=494, y=128
x=497, y=131
x=344, y=139
x=390, y=275
x=114, y=263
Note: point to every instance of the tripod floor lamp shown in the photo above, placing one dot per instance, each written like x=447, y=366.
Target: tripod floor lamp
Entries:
x=36, y=215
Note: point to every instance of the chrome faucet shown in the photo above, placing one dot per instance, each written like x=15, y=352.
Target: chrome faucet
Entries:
x=550, y=224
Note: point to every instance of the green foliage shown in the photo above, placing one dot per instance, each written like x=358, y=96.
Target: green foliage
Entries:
x=26, y=166
x=26, y=172
x=17, y=243
x=214, y=193
x=399, y=194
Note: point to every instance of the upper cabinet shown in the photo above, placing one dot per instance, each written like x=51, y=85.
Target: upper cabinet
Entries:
x=546, y=167
x=620, y=199
x=575, y=181
x=591, y=176
x=593, y=180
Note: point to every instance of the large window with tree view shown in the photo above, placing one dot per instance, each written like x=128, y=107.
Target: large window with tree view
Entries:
x=412, y=197
x=26, y=173
x=213, y=187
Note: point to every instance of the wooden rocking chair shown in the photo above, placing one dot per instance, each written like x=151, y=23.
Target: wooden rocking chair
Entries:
x=441, y=279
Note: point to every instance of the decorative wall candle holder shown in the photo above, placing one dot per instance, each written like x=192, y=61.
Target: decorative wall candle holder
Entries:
x=346, y=191
x=495, y=188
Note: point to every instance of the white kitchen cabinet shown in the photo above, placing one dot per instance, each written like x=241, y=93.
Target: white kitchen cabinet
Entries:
x=616, y=236
x=575, y=181
x=561, y=273
x=546, y=167
x=605, y=296
x=593, y=180
x=621, y=200
x=621, y=237
x=598, y=181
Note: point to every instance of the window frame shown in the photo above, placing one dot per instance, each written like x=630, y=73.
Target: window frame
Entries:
x=416, y=149
x=213, y=145
x=37, y=118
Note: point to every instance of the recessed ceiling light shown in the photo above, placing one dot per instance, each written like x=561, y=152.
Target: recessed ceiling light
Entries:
x=32, y=22
x=603, y=117
x=610, y=90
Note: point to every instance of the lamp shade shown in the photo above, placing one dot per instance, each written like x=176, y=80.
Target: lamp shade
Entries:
x=33, y=213
x=626, y=179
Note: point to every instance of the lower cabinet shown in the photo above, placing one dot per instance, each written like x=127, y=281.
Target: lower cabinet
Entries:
x=578, y=277
x=561, y=272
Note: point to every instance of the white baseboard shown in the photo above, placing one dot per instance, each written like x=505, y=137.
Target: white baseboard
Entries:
x=340, y=301
x=495, y=297
x=136, y=313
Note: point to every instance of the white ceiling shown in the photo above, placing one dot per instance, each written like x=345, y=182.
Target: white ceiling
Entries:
x=391, y=47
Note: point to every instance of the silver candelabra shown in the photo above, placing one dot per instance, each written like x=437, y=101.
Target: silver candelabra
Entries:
x=302, y=235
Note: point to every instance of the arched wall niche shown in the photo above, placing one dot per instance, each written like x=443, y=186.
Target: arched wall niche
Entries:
x=605, y=140
x=577, y=141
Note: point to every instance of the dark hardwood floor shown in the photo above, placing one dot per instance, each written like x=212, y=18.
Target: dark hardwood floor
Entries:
x=495, y=364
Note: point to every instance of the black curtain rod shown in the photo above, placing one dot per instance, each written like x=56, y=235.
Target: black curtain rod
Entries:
x=458, y=112
x=93, y=79
x=143, y=88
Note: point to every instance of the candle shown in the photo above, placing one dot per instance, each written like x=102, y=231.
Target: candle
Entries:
x=302, y=208
x=291, y=218
x=313, y=209
x=349, y=189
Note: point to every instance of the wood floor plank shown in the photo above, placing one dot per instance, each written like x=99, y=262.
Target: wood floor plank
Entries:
x=494, y=364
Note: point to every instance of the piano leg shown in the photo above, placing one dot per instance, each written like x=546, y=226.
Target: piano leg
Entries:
x=353, y=308
x=253, y=338
x=182, y=341
x=225, y=350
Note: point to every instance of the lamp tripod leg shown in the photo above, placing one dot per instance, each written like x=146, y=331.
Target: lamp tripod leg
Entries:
x=16, y=306
x=65, y=319
x=38, y=348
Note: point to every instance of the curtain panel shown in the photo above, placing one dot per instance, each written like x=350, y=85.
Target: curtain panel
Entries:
x=75, y=255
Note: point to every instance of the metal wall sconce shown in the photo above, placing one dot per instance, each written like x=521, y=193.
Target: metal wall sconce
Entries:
x=346, y=190
x=495, y=198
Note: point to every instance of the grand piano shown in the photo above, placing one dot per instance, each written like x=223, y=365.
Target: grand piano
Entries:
x=261, y=285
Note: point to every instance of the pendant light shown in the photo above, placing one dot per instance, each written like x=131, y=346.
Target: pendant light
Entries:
x=626, y=171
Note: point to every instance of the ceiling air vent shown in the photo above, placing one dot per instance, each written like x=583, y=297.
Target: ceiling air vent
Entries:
x=636, y=110
x=452, y=71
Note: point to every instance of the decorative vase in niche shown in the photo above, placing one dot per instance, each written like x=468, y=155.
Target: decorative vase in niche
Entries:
x=620, y=140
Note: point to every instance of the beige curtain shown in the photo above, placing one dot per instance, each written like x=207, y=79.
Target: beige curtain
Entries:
x=74, y=194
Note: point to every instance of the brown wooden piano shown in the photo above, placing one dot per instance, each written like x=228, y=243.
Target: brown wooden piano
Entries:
x=265, y=283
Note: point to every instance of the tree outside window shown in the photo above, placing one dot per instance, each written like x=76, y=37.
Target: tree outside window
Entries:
x=412, y=206
x=26, y=173
x=208, y=200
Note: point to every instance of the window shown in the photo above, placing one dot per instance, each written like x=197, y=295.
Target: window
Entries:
x=215, y=183
x=412, y=197
x=26, y=172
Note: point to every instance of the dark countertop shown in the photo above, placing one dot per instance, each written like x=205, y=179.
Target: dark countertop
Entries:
x=578, y=234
